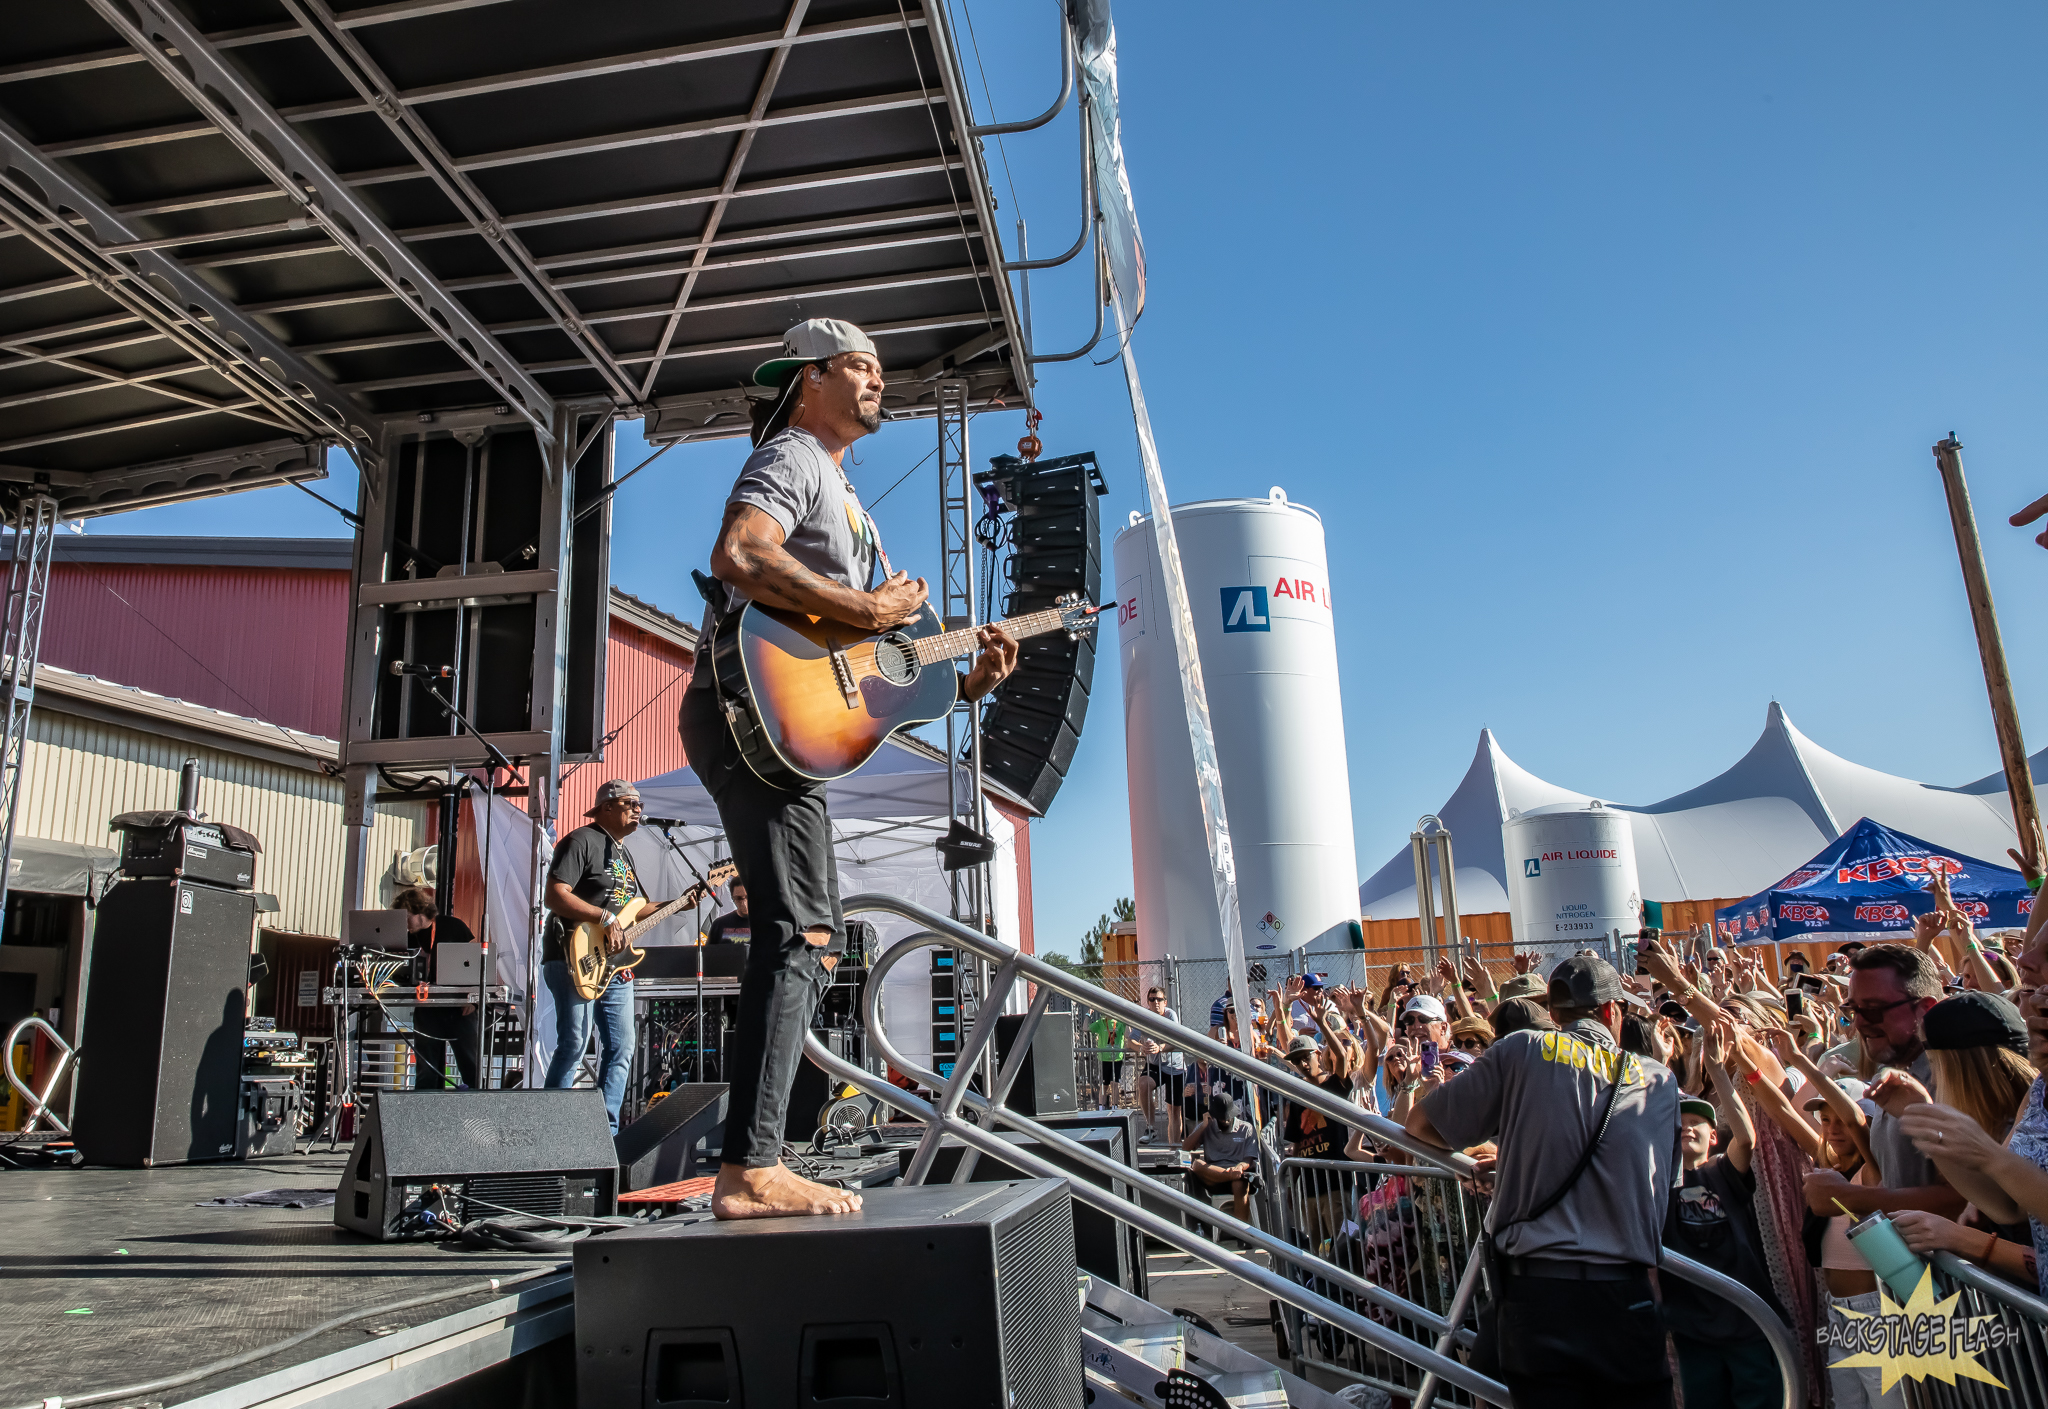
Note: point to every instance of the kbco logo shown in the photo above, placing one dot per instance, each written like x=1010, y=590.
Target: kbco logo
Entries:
x=1797, y=879
x=1899, y=866
x=1803, y=912
x=1889, y=913
x=1604, y=854
x=1975, y=909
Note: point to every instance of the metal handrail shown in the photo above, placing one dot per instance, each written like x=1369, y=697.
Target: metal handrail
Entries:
x=1196, y=1044
x=999, y=129
x=943, y=1119
x=38, y=1103
x=1995, y=1287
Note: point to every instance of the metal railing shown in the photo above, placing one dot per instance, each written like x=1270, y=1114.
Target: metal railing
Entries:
x=2018, y=1321
x=944, y=1118
x=38, y=1102
x=1405, y=1227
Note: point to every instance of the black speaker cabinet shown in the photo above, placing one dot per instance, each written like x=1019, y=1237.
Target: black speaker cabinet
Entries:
x=545, y=1152
x=1104, y=1247
x=165, y=1006
x=939, y=1297
x=1045, y=1085
x=661, y=1146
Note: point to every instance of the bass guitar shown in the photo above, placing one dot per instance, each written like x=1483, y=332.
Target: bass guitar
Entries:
x=810, y=699
x=592, y=965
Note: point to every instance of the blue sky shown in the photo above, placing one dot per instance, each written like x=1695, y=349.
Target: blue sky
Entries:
x=1609, y=341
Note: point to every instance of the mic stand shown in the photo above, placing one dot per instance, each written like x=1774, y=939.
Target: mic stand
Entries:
x=669, y=836
x=497, y=760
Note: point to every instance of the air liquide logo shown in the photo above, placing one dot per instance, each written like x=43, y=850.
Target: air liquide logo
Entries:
x=1244, y=609
x=1531, y=869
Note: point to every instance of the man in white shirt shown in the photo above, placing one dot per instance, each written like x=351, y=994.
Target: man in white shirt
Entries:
x=1165, y=1075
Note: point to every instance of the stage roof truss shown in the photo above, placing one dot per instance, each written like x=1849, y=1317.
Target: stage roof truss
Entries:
x=234, y=233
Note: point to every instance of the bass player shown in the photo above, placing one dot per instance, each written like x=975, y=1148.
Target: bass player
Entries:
x=592, y=878
x=795, y=536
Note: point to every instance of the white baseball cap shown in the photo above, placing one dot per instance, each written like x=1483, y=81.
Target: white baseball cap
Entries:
x=1427, y=1005
x=813, y=340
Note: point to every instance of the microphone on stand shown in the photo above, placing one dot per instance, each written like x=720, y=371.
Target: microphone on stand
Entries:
x=430, y=672
x=663, y=822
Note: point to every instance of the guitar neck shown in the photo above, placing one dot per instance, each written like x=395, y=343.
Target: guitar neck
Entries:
x=654, y=917
x=953, y=644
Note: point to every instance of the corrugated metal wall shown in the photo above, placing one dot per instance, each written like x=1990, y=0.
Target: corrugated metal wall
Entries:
x=259, y=641
x=645, y=676
x=81, y=772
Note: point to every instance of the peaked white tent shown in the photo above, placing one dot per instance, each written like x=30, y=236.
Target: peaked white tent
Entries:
x=1731, y=836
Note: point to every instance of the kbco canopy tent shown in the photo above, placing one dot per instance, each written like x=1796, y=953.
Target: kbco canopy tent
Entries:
x=1870, y=883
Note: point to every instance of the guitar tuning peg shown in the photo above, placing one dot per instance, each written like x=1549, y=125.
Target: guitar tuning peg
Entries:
x=1073, y=635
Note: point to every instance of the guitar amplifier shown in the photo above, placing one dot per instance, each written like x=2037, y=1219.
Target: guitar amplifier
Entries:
x=193, y=851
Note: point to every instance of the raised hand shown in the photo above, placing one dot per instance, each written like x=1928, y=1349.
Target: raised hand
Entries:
x=1524, y=962
x=1293, y=987
x=1476, y=975
x=1895, y=1090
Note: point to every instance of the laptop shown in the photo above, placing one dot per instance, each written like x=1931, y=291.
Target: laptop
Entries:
x=458, y=965
x=377, y=929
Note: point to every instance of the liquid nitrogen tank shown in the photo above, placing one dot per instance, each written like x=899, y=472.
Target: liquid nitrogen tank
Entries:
x=1571, y=877
x=1259, y=583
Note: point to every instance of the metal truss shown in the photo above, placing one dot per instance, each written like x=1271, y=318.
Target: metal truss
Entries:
x=82, y=494
x=355, y=63
x=215, y=87
x=463, y=88
x=28, y=586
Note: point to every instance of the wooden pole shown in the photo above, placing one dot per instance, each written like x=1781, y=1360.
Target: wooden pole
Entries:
x=2012, y=748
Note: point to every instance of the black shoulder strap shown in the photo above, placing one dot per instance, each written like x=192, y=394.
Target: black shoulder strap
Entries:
x=1585, y=1158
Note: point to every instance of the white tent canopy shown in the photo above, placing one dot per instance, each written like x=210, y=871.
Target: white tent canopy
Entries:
x=1731, y=836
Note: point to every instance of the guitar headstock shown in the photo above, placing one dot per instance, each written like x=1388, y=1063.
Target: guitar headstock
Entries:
x=1076, y=614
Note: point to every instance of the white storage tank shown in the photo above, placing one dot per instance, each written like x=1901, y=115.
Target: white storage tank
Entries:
x=1258, y=581
x=1571, y=877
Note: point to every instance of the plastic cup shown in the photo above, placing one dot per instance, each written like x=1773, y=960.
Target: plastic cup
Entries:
x=1894, y=1263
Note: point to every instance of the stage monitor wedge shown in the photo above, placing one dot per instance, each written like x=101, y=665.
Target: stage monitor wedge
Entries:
x=940, y=1297
x=661, y=1146
x=542, y=1152
x=1033, y=722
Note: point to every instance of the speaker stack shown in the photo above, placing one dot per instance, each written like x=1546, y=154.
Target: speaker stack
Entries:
x=167, y=995
x=1033, y=722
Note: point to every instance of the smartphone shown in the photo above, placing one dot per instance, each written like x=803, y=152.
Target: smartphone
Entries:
x=1795, y=1004
x=1812, y=983
x=1430, y=1056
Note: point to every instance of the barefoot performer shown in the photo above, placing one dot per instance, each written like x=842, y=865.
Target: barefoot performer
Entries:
x=795, y=536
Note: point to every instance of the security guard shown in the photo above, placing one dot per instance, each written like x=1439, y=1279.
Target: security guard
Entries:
x=1574, y=1235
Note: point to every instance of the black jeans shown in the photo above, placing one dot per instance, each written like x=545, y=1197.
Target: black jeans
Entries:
x=781, y=840
x=1566, y=1344
x=456, y=1029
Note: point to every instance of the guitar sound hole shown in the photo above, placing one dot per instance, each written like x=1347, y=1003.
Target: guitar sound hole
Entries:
x=893, y=661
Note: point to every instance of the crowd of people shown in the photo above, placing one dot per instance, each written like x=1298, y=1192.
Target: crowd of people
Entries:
x=1701, y=1104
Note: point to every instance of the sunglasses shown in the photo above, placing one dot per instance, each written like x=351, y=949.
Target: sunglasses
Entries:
x=1874, y=1012
x=1409, y=1019
x=1471, y=1044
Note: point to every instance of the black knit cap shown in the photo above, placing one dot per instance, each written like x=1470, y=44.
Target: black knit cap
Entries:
x=1975, y=1019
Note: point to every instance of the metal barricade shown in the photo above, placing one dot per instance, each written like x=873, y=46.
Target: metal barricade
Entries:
x=1408, y=1228
x=2018, y=1322
x=1295, y=1272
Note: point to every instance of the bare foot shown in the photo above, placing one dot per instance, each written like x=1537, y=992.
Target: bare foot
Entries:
x=774, y=1192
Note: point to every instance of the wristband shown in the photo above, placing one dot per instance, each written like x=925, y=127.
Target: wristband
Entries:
x=2035, y=884
x=1990, y=1243
x=1755, y=1076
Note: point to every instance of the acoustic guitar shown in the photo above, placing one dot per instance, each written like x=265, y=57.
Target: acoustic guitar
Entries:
x=810, y=699
x=592, y=965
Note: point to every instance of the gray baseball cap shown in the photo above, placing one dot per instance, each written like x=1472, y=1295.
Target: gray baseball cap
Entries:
x=1584, y=981
x=612, y=792
x=813, y=340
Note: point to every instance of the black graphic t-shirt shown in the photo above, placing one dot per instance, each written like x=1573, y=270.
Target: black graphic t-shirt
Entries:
x=731, y=928
x=1712, y=1220
x=598, y=870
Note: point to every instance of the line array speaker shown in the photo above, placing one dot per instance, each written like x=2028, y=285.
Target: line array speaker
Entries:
x=1033, y=723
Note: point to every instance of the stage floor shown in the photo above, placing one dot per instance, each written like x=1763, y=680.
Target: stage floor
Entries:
x=109, y=1278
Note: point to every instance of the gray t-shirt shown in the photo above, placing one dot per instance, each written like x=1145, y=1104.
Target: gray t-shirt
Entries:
x=1224, y=1148
x=1540, y=1094
x=1899, y=1164
x=793, y=481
